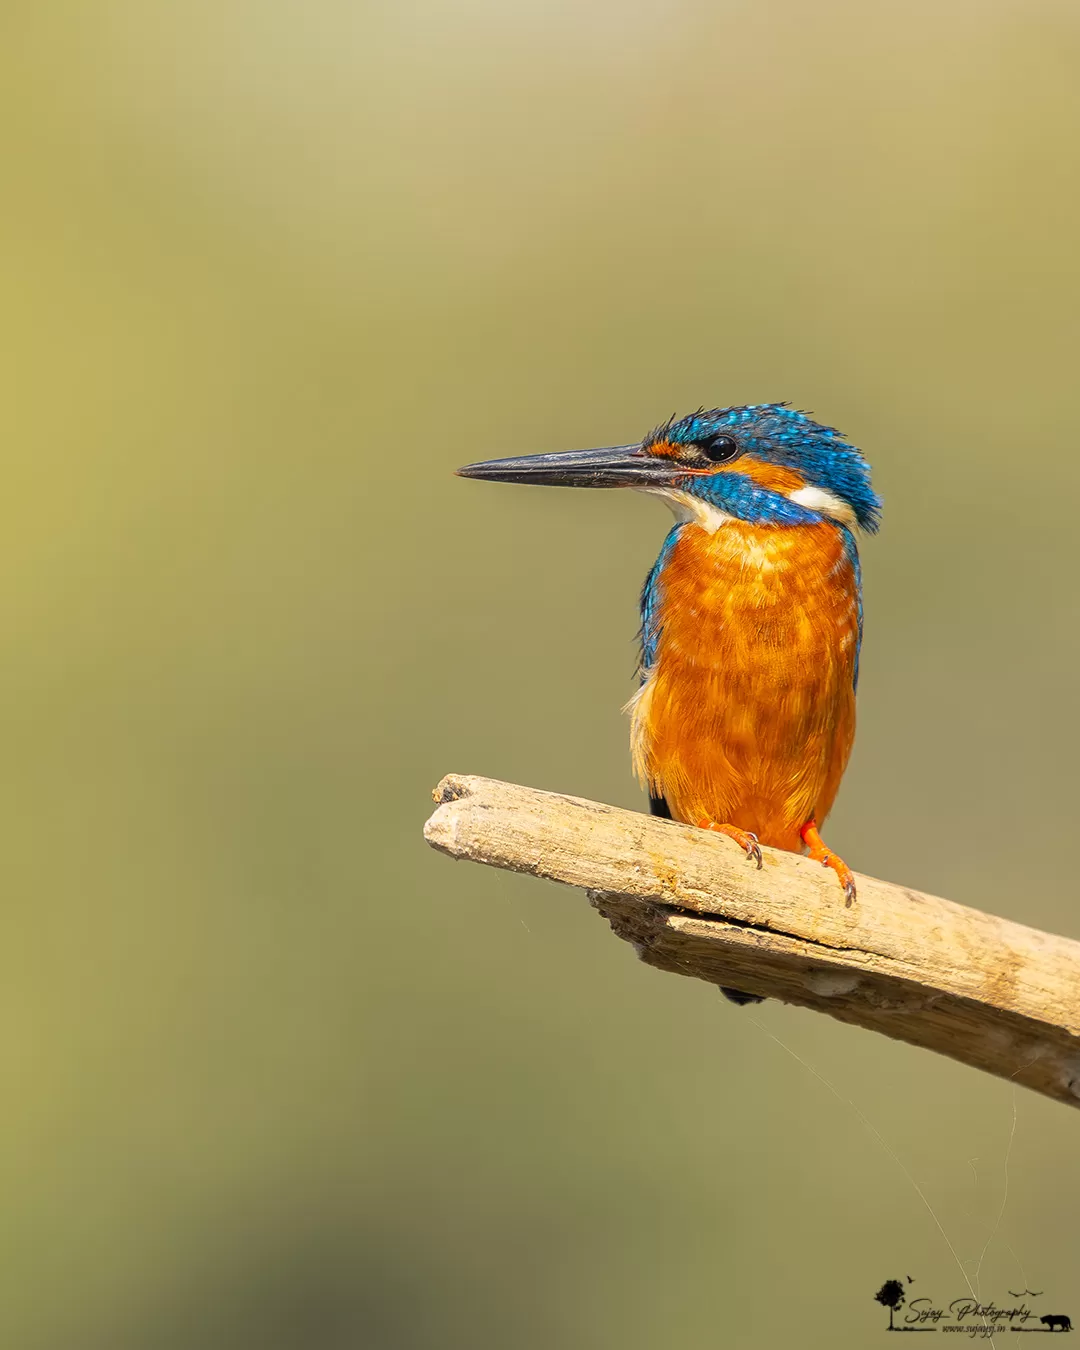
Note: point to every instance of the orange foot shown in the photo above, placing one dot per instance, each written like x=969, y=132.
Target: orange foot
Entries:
x=823, y=855
x=744, y=838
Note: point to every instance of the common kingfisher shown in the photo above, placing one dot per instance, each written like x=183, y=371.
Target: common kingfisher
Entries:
x=751, y=618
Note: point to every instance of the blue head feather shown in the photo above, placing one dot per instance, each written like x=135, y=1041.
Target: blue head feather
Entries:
x=780, y=435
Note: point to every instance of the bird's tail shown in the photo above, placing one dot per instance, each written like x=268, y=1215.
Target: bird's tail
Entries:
x=740, y=996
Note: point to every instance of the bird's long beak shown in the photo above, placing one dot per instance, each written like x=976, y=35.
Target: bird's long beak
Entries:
x=613, y=466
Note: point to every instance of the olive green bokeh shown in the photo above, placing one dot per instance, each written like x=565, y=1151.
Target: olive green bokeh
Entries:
x=278, y=1076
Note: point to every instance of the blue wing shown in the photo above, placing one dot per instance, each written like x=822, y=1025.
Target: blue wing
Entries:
x=851, y=548
x=652, y=596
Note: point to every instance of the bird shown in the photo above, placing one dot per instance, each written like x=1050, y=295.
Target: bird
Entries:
x=751, y=618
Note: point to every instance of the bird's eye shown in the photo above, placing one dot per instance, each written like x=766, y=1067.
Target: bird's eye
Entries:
x=720, y=449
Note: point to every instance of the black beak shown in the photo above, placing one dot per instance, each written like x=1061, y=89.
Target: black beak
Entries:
x=614, y=466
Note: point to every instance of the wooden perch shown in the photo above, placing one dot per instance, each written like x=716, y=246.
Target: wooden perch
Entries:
x=985, y=991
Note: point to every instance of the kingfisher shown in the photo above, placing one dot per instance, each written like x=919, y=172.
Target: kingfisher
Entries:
x=751, y=618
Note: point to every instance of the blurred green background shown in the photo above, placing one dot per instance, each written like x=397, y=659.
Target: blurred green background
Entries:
x=277, y=1075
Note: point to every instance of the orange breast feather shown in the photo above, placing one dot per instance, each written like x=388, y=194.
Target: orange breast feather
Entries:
x=748, y=714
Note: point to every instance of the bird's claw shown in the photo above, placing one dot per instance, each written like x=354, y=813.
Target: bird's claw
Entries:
x=746, y=839
x=843, y=872
x=825, y=856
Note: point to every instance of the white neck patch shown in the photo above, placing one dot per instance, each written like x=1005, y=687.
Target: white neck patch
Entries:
x=687, y=508
x=825, y=503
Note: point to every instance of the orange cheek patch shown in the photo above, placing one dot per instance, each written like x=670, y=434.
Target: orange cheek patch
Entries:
x=774, y=477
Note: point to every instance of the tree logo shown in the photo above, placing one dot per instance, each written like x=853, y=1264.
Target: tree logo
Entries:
x=891, y=1296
